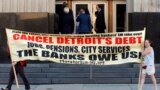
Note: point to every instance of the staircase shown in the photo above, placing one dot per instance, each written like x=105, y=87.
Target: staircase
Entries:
x=78, y=74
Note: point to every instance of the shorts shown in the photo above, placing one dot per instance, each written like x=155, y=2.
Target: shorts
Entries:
x=150, y=70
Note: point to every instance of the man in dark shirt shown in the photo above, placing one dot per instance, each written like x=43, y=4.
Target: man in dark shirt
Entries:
x=100, y=20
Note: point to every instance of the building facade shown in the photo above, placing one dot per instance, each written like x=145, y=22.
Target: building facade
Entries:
x=116, y=11
x=27, y=6
x=120, y=15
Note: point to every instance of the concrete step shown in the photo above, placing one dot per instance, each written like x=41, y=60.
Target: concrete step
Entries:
x=78, y=74
x=75, y=70
x=86, y=70
x=91, y=81
x=55, y=65
x=157, y=75
x=29, y=75
x=147, y=80
x=137, y=65
x=31, y=80
x=94, y=75
x=75, y=75
x=72, y=80
x=28, y=65
x=81, y=80
x=31, y=69
x=82, y=70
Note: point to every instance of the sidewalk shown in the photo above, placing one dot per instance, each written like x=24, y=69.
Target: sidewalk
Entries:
x=85, y=87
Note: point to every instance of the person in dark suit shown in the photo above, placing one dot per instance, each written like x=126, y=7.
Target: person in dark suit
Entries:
x=100, y=20
x=84, y=22
x=63, y=26
x=67, y=22
x=19, y=68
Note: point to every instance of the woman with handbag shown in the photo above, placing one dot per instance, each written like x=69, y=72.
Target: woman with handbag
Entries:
x=148, y=66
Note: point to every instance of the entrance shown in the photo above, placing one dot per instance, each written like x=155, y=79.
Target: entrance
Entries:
x=118, y=12
x=119, y=16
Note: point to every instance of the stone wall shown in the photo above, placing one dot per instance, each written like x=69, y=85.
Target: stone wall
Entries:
x=32, y=22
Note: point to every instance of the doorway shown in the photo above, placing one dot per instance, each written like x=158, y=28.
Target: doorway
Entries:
x=119, y=16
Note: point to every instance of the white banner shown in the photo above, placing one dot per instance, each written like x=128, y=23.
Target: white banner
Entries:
x=96, y=49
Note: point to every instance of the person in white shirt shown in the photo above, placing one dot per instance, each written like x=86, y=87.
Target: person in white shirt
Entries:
x=148, y=66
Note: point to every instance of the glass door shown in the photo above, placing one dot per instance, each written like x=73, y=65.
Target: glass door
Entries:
x=77, y=5
x=59, y=5
x=119, y=16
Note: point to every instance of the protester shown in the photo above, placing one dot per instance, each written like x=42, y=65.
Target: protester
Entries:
x=19, y=68
x=148, y=66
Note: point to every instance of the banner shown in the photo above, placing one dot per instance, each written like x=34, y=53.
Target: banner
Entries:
x=95, y=49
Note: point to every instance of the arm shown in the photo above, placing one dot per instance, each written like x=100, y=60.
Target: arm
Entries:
x=146, y=51
x=89, y=23
x=72, y=25
x=102, y=20
x=78, y=19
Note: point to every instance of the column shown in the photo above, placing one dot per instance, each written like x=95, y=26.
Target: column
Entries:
x=110, y=16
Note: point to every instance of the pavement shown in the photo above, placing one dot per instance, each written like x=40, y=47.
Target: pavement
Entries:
x=85, y=87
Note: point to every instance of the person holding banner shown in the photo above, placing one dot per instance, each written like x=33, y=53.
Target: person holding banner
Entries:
x=148, y=66
x=19, y=68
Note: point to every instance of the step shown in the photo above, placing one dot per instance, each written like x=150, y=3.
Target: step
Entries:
x=27, y=70
x=86, y=70
x=147, y=80
x=157, y=75
x=29, y=75
x=75, y=70
x=28, y=65
x=4, y=69
x=47, y=69
x=87, y=75
x=69, y=65
x=78, y=74
x=81, y=80
x=137, y=65
x=74, y=75
x=31, y=80
x=55, y=65
x=91, y=81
